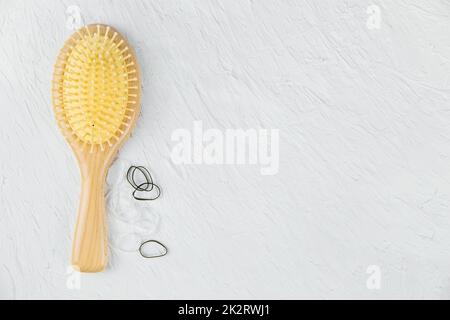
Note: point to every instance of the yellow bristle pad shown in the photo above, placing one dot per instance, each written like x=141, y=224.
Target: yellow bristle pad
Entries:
x=94, y=86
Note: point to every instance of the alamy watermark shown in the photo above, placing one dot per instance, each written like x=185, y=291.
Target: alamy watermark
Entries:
x=374, y=19
x=74, y=19
x=374, y=280
x=73, y=281
x=230, y=146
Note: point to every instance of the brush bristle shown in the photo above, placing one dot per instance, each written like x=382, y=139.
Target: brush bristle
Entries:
x=95, y=86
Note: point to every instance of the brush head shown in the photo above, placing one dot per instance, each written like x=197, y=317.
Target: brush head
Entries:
x=96, y=88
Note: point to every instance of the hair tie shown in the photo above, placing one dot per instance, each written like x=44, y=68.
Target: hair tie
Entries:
x=146, y=186
x=155, y=256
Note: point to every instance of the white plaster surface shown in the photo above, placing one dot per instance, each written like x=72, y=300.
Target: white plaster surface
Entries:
x=364, y=178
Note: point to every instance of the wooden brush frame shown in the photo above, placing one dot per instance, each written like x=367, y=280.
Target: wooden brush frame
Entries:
x=90, y=246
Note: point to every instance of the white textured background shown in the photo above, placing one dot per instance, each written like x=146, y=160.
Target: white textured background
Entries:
x=364, y=179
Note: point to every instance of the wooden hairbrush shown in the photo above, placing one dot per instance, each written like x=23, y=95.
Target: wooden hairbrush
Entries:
x=96, y=100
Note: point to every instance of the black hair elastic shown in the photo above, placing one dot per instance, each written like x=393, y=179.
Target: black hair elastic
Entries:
x=146, y=186
x=154, y=241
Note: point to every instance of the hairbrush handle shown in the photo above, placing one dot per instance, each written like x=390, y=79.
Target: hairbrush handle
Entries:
x=89, y=248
